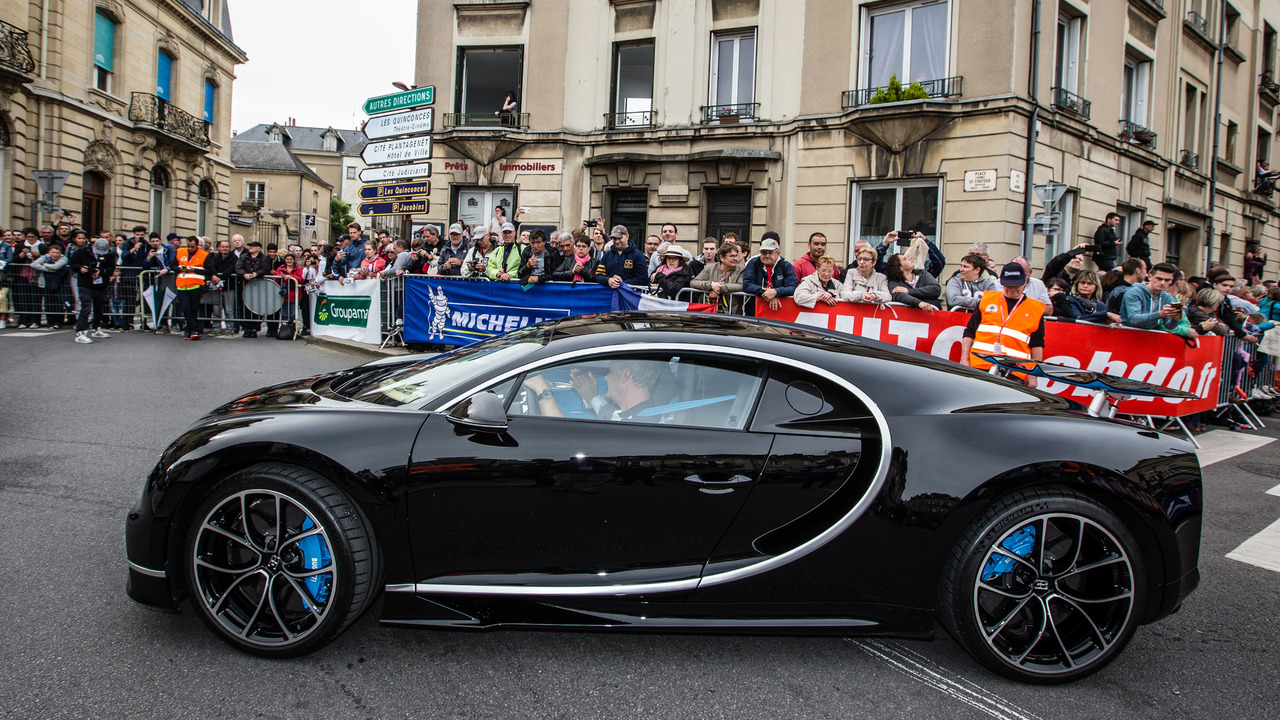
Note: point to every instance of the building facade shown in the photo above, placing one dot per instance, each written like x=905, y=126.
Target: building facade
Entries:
x=748, y=115
x=130, y=98
x=278, y=197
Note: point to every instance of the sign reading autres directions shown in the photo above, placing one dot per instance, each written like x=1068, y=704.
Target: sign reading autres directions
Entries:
x=401, y=100
x=394, y=207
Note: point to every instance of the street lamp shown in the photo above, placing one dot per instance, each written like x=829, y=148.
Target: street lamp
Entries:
x=402, y=86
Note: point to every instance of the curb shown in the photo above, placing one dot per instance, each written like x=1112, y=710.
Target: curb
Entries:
x=371, y=351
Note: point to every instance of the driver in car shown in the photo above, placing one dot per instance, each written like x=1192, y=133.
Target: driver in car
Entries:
x=630, y=389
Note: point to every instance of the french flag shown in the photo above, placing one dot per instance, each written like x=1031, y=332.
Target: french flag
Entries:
x=628, y=298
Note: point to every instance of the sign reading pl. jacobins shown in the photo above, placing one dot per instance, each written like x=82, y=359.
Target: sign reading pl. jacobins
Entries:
x=398, y=207
x=529, y=166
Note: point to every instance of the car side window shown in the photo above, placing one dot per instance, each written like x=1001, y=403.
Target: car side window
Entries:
x=665, y=388
x=797, y=402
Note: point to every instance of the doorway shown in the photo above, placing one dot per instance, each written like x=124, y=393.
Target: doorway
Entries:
x=728, y=210
x=474, y=206
x=92, y=210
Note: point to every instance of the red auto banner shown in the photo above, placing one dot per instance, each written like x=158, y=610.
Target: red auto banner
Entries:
x=1147, y=355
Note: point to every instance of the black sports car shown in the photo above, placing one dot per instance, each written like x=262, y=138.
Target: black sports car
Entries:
x=674, y=472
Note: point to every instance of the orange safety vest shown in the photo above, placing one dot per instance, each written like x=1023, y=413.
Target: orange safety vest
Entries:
x=187, y=259
x=1010, y=331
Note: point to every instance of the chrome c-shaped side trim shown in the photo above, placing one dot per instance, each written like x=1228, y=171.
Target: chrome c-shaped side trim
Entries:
x=145, y=571
x=764, y=565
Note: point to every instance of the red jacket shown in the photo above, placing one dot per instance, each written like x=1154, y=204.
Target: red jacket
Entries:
x=803, y=266
x=290, y=289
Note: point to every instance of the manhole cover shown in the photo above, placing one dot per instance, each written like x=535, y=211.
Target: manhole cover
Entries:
x=1271, y=471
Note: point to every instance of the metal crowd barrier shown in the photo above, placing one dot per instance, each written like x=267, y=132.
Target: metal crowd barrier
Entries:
x=1245, y=369
x=226, y=309
x=738, y=302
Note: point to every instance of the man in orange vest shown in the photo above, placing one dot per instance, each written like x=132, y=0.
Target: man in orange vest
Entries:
x=190, y=281
x=1006, y=322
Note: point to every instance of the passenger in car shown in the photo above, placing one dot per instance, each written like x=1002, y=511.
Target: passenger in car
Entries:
x=630, y=388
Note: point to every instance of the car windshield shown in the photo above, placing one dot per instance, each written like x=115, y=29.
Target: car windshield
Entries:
x=431, y=379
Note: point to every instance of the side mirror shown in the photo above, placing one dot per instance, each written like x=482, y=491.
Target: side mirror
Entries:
x=481, y=412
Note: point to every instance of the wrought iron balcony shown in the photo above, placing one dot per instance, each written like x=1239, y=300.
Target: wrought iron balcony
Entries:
x=1269, y=91
x=937, y=88
x=1137, y=134
x=1189, y=159
x=1196, y=21
x=14, y=53
x=148, y=109
x=1064, y=99
x=640, y=120
x=729, y=114
x=514, y=121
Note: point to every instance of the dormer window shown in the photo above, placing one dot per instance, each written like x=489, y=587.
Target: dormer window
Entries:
x=331, y=142
x=276, y=135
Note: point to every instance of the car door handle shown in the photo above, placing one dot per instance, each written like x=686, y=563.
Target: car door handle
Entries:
x=735, y=480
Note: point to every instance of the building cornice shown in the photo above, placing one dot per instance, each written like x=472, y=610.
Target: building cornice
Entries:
x=206, y=29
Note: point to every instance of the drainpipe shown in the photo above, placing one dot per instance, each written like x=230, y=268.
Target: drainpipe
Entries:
x=1217, y=123
x=1027, y=238
x=44, y=75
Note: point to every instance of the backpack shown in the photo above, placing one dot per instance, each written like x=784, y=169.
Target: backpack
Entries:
x=286, y=331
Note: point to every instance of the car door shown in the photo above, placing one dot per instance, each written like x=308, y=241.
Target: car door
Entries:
x=562, y=498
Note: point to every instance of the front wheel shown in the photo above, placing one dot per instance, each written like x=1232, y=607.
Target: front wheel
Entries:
x=279, y=561
x=1045, y=587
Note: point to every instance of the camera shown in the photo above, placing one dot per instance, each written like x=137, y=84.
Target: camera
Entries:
x=591, y=223
x=1176, y=305
x=904, y=238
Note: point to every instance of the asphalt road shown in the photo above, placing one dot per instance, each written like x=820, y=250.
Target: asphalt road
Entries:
x=80, y=426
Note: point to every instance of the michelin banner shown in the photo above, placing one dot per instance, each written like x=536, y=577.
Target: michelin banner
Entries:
x=351, y=311
x=460, y=312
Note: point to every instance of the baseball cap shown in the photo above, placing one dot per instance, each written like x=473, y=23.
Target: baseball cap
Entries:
x=508, y=227
x=101, y=245
x=768, y=244
x=455, y=228
x=172, y=236
x=618, y=231
x=1013, y=275
x=254, y=242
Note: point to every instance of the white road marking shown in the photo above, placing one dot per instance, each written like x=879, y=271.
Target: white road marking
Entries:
x=35, y=333
x=1219, y=445
x=1262, y=550
x=937, y=677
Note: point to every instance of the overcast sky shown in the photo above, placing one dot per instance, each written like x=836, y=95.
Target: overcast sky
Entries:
x=318, y=60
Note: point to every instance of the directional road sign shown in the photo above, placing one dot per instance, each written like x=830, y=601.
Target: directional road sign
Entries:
x=1054, y=229
x=395, y=207
x=1046, y=218
x=395, y=172
x=1050, y=192
x=413, y=122
x=400, y=101
x=402, y=150
x=396, y=191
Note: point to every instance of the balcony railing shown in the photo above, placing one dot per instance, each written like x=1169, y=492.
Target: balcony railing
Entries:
x=514, y=121
x=14, y=53
x=639, y=120
x=1269, y=91
x=937, y=88
x=1189, y=159
x=1064, y=99
x=151, y=110
x=729, y=114
x=1196, y=21
x=1137, y=134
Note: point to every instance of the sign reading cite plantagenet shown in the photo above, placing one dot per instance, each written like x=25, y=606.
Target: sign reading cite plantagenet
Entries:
x=395, y=190
x=402, y=150
x=395, y=172
x=397, y=207
x=405, y=123
x=400, y=101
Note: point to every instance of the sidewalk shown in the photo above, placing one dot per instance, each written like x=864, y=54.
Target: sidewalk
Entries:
x=371, y=351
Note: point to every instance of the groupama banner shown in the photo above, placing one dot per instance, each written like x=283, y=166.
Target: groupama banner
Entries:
x=460, y=312
x=1147, y=355
x=351, y=311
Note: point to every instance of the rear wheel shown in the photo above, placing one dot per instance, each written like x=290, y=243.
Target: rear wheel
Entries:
x=1045, y=587
x=279, y=561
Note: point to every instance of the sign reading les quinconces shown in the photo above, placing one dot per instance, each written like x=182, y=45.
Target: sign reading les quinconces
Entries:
x=414, y=122
x=395, y=190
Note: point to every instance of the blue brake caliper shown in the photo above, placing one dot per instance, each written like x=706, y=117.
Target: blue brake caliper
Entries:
x=1021, y=543
x=315, y=555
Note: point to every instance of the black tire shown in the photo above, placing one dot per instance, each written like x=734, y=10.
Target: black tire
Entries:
x=1062, y=621
x=269, y=597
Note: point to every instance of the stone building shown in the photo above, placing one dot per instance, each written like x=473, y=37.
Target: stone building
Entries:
x=749, y=115
x=132, y=98
x=326, y=160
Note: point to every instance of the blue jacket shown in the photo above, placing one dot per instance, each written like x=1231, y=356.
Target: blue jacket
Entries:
x=754, y=277
x=1141, y=309
x=631, y=265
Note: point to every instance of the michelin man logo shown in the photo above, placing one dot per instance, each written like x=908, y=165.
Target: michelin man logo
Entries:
x=440, y=316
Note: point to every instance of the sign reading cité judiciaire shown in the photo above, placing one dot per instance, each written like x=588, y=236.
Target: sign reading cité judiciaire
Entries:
x=400, y=101
x=395, y=190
